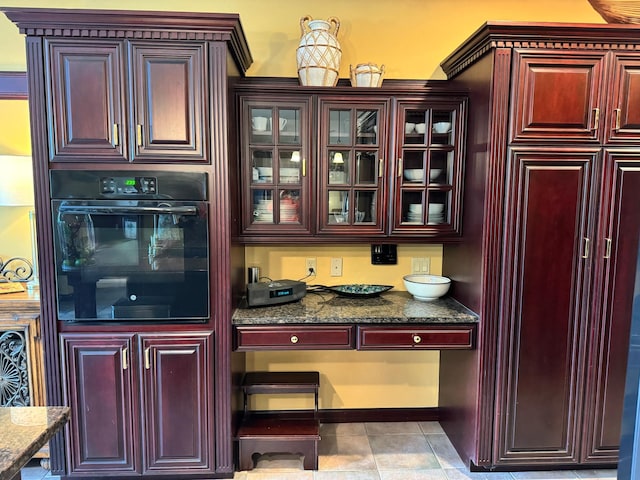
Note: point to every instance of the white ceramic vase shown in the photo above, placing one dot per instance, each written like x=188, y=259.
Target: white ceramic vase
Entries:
x=318, y=54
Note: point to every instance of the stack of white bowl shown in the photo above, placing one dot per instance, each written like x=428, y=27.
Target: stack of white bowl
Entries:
x=265, y=174
x=289, y=175
x=288, y=211
x=415, y=213
x=436, y=213
x=264, y=211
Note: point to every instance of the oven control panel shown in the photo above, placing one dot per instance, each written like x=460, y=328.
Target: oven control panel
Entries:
x=129, y=185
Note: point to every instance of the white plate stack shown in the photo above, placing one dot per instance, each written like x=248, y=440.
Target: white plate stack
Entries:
x=415, y=213
x=436, y=213
x=263, y=211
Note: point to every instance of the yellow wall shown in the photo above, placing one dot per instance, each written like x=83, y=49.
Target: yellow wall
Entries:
x=411, y=38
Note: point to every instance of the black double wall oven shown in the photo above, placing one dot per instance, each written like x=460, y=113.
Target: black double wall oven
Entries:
x=131, y=245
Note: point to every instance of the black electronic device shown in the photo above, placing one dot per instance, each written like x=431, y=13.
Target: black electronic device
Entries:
x=275, y=292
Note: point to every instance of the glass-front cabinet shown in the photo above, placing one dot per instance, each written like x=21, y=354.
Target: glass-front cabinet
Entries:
x=274, y=166
x=351, y=166
x=428, y=168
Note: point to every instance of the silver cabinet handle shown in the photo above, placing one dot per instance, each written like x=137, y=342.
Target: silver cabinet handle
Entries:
x=607, y=248
x=585, y=251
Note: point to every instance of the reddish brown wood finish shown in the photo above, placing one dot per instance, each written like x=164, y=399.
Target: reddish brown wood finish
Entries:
x=433, y=337
x=302, y=337
x=169, y=84
x=548, y=326
x=611, y=313
x=99, y=387
x=86, y=99
x=316, y=225
x=177, y=417
x=220, y=40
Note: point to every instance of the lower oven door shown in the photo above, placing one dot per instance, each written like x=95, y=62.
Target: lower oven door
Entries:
x=131, y=260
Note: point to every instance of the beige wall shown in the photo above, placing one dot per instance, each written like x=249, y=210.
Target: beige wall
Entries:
x=411, y=38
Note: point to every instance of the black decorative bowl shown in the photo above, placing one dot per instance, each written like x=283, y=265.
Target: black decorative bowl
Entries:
x=359, y=290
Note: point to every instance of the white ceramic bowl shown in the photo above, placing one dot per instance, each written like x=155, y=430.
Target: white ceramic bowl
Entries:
x=434, y=173
x=421, y=127
x=265, y=171
x=441, y=127
x=415, y=207
x=426, y=287
x=436, y=207
x=413, y=174
x=409, y=127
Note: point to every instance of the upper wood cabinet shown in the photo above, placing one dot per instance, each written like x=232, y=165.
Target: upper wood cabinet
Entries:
x=339, y=164
x=99, y=113
x=577, y=96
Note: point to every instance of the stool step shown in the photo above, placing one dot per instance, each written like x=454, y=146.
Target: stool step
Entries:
x=281, y=382
x=259, y=426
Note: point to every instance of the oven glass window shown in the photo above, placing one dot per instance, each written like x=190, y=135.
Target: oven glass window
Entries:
x=131, y=260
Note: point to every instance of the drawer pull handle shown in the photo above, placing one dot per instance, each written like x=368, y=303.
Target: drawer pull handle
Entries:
x=417, y=339
x=294, y=339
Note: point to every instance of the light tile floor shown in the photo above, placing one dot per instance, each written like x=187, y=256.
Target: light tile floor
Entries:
x=381, y=451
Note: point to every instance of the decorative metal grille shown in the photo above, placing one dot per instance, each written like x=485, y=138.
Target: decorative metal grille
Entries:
x=14, y=370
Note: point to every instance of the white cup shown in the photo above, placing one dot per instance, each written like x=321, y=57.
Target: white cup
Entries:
x=259, y=123
x=442, y=127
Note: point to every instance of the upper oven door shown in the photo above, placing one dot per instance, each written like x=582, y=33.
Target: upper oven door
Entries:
x=131, y=260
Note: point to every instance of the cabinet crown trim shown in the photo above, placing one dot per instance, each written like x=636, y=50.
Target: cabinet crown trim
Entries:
x=140, y=25
x=562, y=36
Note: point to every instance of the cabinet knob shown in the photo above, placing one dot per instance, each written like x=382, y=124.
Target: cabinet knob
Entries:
x=417, y=339
x=294, y=339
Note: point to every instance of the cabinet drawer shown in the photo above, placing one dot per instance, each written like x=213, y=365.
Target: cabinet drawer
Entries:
x=294, y=338
x=420, y=337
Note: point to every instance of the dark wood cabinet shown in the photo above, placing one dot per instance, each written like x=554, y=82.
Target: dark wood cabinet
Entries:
x=102, y=110
x=341, y=165
x=117, y=90
x=549, y=268
x=128, y=391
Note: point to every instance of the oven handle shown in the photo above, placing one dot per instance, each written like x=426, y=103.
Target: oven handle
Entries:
x=107, y=210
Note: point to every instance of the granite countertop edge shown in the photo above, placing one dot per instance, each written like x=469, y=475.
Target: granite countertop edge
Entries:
x=389, y=308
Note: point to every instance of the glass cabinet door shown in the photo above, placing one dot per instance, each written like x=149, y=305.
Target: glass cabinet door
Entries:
x=428, y=168
x=274, y=167
x=352, y=167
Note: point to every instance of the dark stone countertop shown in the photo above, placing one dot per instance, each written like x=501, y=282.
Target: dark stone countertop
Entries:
x=24, y=431
x=388, y=308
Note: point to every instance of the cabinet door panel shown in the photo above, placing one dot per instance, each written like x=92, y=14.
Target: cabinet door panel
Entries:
x=85, y=102
x=97, y=384
x=170, y=104
x=539, y=366
x=624, y=125
x=557, y=96
x=615, y=254
x=177, y=380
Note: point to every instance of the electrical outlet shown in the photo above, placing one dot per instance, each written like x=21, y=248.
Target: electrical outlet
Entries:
x=336, y=267
x=420, y=265
x=311, y=264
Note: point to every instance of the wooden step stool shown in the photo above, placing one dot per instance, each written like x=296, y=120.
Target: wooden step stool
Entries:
x=298, y=433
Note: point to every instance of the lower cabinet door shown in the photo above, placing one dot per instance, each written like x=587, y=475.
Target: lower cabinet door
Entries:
x=177, y=385
x=98, y=380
